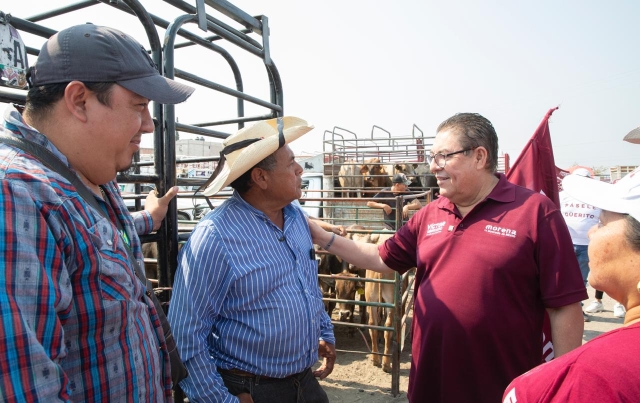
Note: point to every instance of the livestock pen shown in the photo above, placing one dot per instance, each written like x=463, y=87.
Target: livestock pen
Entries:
x=370, y=163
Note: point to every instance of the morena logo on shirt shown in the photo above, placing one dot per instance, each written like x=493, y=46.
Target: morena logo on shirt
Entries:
x=435, y=228
x=491, y=229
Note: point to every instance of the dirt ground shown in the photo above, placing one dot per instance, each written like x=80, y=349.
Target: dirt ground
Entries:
x=355, y=379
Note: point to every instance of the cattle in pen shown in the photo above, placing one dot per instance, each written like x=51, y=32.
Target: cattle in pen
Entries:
x=380, y=174
x=328, y=264
x=354, y=176
x=380, y=292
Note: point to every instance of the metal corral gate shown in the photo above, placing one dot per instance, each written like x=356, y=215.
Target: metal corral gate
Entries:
x=342, y=147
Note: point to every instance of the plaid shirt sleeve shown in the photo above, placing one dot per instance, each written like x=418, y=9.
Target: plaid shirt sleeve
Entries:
x=35, y=294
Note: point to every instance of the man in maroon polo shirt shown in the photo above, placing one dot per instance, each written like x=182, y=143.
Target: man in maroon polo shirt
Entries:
x=491, y=257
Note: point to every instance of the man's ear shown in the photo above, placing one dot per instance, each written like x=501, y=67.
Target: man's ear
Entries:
x=75, y=98
x=481, y=157
x=259, y=177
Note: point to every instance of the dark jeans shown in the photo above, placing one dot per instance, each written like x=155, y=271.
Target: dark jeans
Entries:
x=583, y=261
x=299, y=388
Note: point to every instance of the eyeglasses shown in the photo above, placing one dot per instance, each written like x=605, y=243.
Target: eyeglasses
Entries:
x=441, y=159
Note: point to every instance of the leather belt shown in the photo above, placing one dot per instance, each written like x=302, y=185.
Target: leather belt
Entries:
x=244, y=374
x=249, y=375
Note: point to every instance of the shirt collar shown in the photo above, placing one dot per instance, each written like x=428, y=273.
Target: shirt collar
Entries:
x=14, y=122
x=289, y=211
x=504, y=191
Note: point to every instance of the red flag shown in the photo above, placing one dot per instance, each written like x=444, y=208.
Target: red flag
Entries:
x=535, y=167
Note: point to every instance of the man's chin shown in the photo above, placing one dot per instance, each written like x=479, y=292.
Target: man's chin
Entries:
x=125, y=167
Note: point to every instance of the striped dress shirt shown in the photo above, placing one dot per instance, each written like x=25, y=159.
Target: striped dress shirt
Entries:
x=246, y=296
x=76, y=324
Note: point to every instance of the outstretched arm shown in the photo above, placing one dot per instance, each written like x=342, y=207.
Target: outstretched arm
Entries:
x=336, y=229
x=359, y=254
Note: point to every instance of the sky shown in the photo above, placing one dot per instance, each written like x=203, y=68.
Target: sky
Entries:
x=356, y=64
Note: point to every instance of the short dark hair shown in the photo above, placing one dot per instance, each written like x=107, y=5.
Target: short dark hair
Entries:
x=41, y=99
x=632, y=232
x=244, y=182
x=474, y=131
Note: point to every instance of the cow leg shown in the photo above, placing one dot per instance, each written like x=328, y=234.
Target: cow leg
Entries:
x=362, y=310
x=373, y=321
x=388, y=342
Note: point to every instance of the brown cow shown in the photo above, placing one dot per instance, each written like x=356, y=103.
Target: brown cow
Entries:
x=328, y=264
x=380, y=174
x=150, y=251
x=353, y=176
x=348, y=288
x=379, y=292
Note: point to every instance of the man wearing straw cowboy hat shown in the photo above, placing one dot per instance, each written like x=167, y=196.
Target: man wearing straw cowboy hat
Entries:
x=246, y=311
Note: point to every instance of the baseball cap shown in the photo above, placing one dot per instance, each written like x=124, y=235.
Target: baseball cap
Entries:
x=633, y=136
x=401, y=178
x=92, y=53
x=582, y=172
x=622, y=197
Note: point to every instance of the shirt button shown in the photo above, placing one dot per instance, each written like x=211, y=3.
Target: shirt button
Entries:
x=109, y=242
x=461, y=225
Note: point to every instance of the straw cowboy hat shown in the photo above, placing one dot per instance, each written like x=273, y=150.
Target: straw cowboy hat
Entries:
x=250, y=145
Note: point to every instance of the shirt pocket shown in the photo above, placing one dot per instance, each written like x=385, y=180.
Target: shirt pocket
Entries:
x=116, y=277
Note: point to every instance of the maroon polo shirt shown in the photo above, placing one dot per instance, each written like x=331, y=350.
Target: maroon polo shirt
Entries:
x=603, y=370
x=482, y=285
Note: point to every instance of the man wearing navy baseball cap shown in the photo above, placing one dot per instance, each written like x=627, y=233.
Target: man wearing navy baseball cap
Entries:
x=384, y=200
x=78, y=325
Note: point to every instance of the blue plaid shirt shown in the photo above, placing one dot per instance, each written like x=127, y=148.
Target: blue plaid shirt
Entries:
x=246, y=296
x=76, y=324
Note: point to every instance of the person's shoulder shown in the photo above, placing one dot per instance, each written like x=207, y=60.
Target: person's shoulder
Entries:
x=24, y=171
x=383, y=192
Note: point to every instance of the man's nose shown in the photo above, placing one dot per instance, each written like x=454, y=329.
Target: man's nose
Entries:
x=148, y=123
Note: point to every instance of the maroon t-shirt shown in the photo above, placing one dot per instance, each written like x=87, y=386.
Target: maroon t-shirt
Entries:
x=604, y=370
x=482, y=285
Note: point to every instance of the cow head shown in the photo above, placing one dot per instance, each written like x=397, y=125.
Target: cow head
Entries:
x=346, y=288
